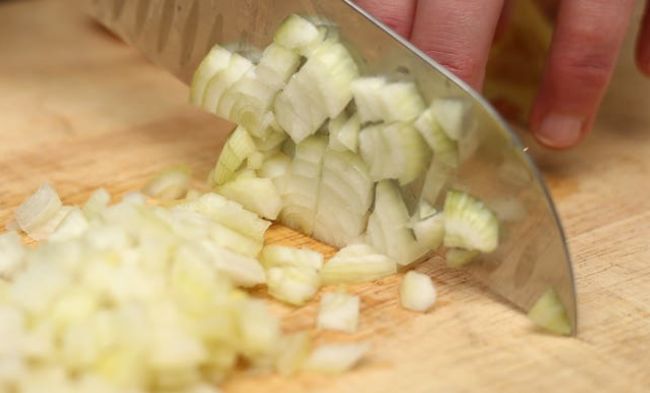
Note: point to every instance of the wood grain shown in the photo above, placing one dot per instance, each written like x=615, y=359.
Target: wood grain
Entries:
x=82, y=110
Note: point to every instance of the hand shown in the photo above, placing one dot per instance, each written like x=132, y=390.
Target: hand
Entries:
x=586, y=43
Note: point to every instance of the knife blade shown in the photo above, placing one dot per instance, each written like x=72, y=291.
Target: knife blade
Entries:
x=533, y=255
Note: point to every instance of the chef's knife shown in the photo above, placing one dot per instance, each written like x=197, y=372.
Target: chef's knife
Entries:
x=532, y=255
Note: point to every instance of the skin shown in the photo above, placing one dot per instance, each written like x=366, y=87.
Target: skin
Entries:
x=586, y=45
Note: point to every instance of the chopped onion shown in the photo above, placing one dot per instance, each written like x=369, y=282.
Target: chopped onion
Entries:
x=445, y=148
x=256, y=194
x=277, y=65
x=293, y=285
x=388, y=226
x=338, y=311
x=216, y=60
x=258, y=328
x=430, y=232
x=436, y=181
x=336, y=358
x=96, y=203
x=357, y=263
x=549, y=313
x=237, y=149
x=394, y=151
x=45, y=230
x=345, y=197
x=469, y=224
x=242, y=270
x=223, y=80
x=38, y=209
x=417, y=292
x=297, y=33
x=72, y=226
x=275, y=166
x=378, y=100
x=452, y=114
x=274, y=256
x=344, y=133
x=170, y=184
x=457, y=258
x=12, y=254
x=295, y=349
x=230, y=214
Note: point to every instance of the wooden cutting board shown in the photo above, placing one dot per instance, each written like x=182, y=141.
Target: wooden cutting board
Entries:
x=81, y=110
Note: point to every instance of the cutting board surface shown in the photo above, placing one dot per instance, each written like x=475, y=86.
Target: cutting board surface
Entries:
x=82, y=110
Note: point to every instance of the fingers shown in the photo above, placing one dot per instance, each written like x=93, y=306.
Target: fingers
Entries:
x=643, y=45
x=396, y=14
x=585, y=47
x=458, y=34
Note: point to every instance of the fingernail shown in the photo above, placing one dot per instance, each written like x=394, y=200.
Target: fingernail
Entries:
x=560, y=130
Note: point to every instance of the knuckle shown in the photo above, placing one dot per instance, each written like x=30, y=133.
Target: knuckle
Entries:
x=464, y=66
x=591, y=67
x=398, y=23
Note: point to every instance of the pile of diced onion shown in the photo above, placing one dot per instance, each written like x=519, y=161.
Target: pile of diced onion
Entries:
x=151, y=294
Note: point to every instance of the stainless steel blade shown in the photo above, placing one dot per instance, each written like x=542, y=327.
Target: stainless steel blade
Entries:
x=532, y=254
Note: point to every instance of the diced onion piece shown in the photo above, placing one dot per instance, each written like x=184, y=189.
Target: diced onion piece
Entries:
x=255, y=161
x=425, y=210
x=345, y=197
x=367, y=93
x=293, y=285
x=216, y=60
x=408, y=151
x=259, y=329
x=393, y=151
x=236, y=150
x=38, y=209
x=275, y=166
x=12, y=254
x=170, y=184
x=243, y=270
x=344, y=133
x=297, y=33
x=338, y=311
x=453, y=116
x=469, y=224
x=277, y=65
x=298, y=109
x=73, y=226
x=430, y=232
x=273, y=139
x=457, y=257
x=45, y=230
x=300, y=191
x=295, y=349
x=378, y=100
x=247, y=102
x=436, y=180
x=256, y=194
x=417, y=292
x=96, y=203
x=388, y=229
x=549, y=313
x=401, y=101
x=230, y=214
x=223, y=80
x=336, y=358
x=445, y=148
x=357, y=263
x=331, y=70
x=275, y=255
